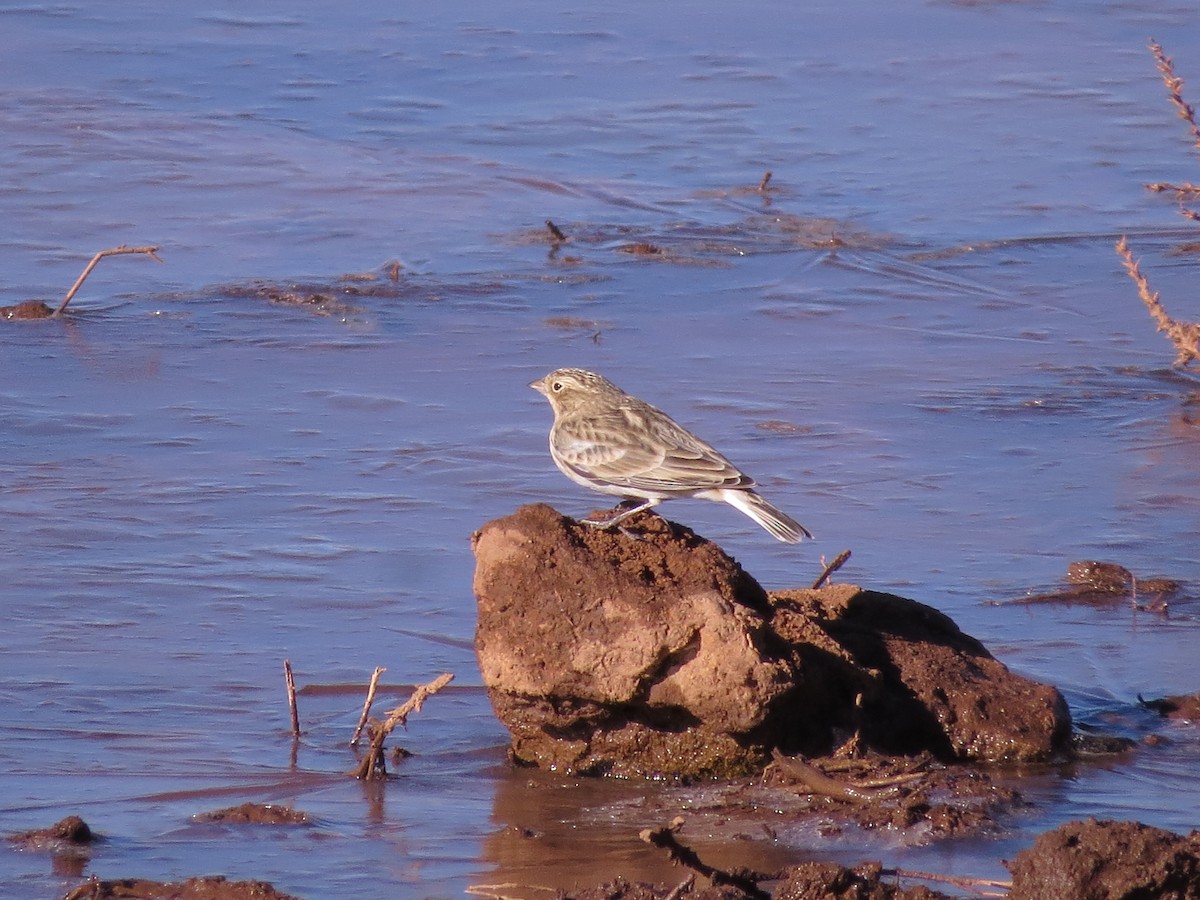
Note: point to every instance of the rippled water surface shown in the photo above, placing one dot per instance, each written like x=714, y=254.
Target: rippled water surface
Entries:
x=918, y=339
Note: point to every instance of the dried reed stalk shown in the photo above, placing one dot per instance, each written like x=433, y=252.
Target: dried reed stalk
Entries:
x=1175, y=89
x=290, y=680
x=366, y=710
x=152, y=252
x=1184, y=335
x=373, y=765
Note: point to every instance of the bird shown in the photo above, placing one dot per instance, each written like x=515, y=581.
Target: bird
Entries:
x=612, y=442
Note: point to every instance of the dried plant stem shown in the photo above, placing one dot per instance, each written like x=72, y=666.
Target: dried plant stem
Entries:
x=366, y=710
x=1175, y=90
x=291, y=693
x=1184, y=335
x=962, y=881
x=152, y=252
x=373, y=765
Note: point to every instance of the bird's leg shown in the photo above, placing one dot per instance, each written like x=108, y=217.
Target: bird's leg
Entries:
x=620, y=513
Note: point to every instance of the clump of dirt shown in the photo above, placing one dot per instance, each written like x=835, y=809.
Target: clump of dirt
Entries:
x=67, y=834
x=1179, y=706
x=215, y=887
x=1100, y=583
x=656, y=654
x=829, y=881
x=255, y=814
x=27, y=309
x=807, y=881
x=1102, y=860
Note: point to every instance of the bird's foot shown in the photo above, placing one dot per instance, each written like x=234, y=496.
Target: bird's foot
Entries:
x=619, y=514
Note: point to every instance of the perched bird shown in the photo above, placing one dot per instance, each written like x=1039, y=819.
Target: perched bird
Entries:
x=611, y=442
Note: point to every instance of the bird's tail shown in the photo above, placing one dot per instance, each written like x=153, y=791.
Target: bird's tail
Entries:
x=779, y=523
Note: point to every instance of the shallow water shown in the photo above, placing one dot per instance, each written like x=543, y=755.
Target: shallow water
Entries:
x=199, y=483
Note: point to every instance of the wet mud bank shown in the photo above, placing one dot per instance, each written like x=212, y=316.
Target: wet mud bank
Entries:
x=647, y=652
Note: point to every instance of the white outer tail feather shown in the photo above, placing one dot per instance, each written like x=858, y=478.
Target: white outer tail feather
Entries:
x=778, y=523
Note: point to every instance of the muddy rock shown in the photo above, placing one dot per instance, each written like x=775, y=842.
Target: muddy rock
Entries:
x=620, y=889
x=255, y=814
x=62, y=835
x=829, y=881
x=925, y=685
x=653, y=653
x=215, y=887
x=606, y=653
x=1103, y=860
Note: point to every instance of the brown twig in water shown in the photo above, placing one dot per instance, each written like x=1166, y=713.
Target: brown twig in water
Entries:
x=362, y=720
x=555, y=232
x=762, y=185
x=820, y=783
x=497, y=891
x=1175, y=90
x=684, y=887
x=152, y=252
x=962, y=881
x=838, y=562
x=1184, y=335
x=291, y=692
x=682, y=855
x=373, y=765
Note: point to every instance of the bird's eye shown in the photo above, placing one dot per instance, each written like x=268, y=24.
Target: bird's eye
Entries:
x=556, y=387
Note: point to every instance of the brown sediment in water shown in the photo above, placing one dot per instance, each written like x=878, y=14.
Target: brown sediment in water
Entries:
x=210, y=887
x=255, y=814
x=1101, y=583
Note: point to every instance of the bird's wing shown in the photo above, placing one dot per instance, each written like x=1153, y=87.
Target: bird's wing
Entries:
x=641, y=448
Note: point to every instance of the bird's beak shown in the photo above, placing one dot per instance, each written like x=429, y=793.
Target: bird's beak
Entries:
x=540, y=386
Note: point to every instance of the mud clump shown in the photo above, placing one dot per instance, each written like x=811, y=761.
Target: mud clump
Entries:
x=71, y=833
x=255, y=814
x=656, y=654
x=215, y=887
x=1102, y=860
x=829, y=881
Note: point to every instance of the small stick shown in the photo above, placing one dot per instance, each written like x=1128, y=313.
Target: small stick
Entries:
x=838, y=562
x=291, y=692
x=362, y=720
x=679, y=853
x=684, y=887
x=152, y=252
x=555, y=232
x=762, y=185
x=963, y=881
x=373, y=764
x=820, y=783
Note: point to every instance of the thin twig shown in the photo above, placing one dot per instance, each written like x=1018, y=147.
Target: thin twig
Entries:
x=362, y=720
x=820, y=783
x=838, y=562
x=152, y=252
x=496, y=891
x=683, y=855
x=1184, y=335
x=963, y=881
x=556, y=233
x=684, y=887
x=291, y=692
x=762, y=185
x=373, y=765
